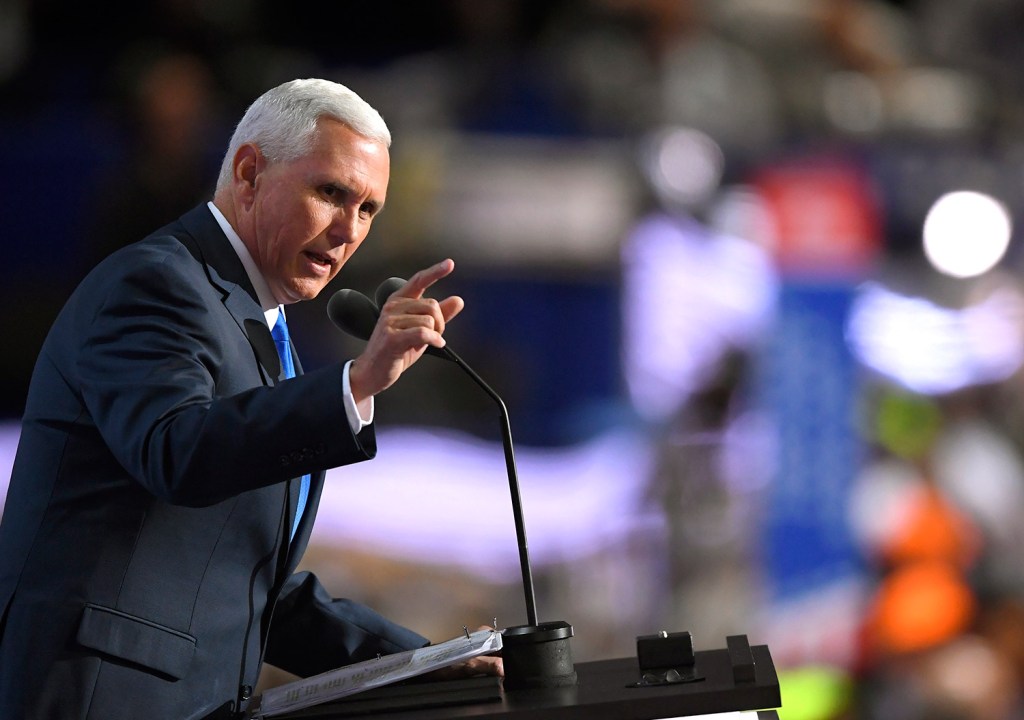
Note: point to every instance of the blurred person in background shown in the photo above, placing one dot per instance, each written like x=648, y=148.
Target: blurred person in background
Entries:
x=696, y=300
x=931, y=512
x=630, y=66
x=169, y=164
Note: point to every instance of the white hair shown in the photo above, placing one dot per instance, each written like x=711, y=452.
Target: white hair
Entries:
x=283, y=121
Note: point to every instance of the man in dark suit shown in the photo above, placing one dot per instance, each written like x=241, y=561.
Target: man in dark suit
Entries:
x=168, y=473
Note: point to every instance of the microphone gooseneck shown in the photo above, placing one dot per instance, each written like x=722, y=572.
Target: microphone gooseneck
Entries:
x=513, y=485
x=356, y=314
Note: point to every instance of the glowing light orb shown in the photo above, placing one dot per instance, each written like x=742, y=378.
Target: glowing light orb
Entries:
x=966, y=233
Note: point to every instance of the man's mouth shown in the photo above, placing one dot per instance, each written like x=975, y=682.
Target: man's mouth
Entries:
x=319, y=258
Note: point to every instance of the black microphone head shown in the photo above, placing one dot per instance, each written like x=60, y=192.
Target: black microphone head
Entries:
x=353, y=312
x=386, y=289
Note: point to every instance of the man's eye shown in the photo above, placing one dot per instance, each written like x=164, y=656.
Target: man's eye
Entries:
x=368, y=209
x=334, y=193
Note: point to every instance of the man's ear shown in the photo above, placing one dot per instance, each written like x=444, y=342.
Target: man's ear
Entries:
x=248, y=164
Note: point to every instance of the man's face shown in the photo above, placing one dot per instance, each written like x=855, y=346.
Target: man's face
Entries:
x=309, y=215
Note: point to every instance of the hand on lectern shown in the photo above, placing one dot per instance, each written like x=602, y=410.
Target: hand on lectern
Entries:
x=479, y=665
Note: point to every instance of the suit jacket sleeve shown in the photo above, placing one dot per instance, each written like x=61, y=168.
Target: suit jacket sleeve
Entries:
x=313, y=633
x=172, y=383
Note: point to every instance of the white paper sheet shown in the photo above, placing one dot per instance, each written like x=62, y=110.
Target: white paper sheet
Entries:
x=387, y=669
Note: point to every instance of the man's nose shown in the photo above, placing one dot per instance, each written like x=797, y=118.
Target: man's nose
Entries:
x=345, y=227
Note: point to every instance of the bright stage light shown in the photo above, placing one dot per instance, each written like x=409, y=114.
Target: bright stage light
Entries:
x=966, y=233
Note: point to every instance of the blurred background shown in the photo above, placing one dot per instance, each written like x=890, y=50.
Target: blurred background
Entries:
x=746, y=273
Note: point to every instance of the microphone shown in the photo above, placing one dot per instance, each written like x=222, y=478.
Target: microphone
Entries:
x=356, y=314
x=353, y=312
x=386, y=289
x=536, y=655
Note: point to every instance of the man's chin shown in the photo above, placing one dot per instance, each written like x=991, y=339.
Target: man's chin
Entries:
x=301, y=290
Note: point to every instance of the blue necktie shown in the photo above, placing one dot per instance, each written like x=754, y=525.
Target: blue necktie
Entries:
x=284, y=349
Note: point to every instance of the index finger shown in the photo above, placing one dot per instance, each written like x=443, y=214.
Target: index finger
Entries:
x=418, y=283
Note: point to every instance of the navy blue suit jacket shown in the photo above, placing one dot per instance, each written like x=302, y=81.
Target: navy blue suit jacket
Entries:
x=144, y=542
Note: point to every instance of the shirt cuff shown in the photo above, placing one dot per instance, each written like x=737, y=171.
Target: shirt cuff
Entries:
x=355, y=421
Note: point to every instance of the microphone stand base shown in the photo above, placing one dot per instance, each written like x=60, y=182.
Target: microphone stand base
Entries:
x=538, y=656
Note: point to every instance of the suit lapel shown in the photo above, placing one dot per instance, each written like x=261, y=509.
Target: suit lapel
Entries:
x=207, y=242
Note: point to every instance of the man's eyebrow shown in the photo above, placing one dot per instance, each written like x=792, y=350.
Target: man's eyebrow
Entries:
x=348, y=189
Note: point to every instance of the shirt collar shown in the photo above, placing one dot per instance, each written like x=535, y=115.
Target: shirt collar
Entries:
x=270, y=306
